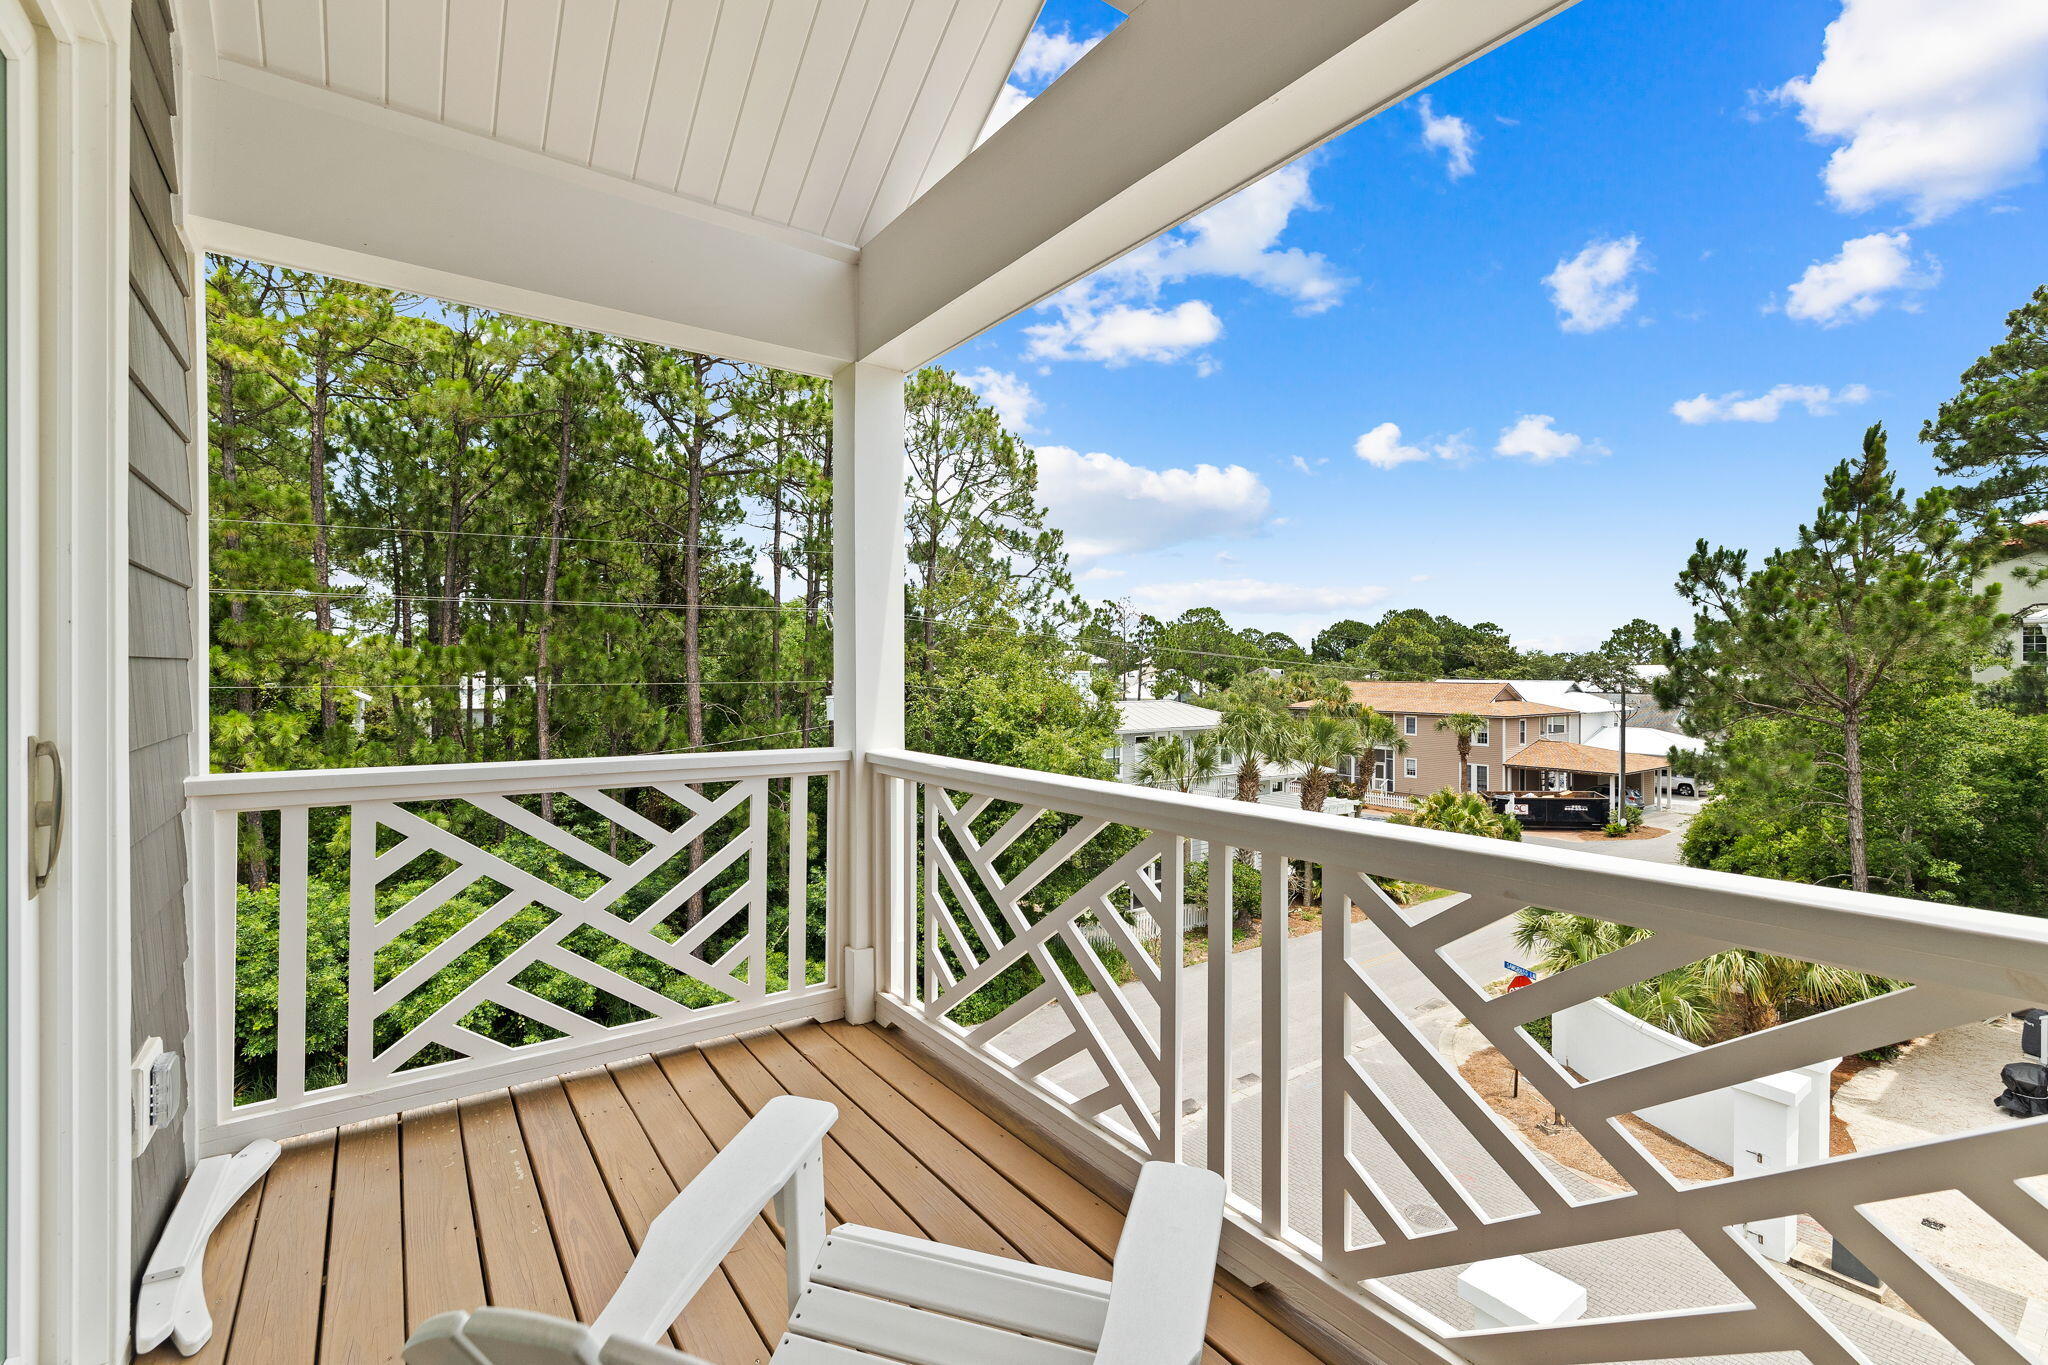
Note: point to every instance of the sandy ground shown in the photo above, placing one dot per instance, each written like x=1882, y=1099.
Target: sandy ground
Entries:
x=1487, y=1072
x=1945, y=1084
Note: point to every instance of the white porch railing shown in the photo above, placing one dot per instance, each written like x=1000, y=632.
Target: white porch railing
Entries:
x=404, y=916
x=1006, y=888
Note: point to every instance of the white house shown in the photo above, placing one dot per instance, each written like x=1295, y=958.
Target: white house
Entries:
x=1150, y=718
x=2023, y=583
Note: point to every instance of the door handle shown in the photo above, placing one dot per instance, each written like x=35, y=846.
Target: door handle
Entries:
x=46, y=811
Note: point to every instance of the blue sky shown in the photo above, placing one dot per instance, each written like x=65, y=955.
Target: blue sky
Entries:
x=1636, y=205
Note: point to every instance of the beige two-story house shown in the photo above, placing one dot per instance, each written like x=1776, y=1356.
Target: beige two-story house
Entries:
x=1524, y=744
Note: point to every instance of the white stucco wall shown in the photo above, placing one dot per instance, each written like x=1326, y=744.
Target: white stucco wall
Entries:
x=1762, y=1125
x=2018, y=592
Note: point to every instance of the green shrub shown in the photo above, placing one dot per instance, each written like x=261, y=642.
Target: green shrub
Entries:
x=1245, y=889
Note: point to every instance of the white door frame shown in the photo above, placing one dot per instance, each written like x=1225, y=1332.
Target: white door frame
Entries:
x=18, y=50
x=71, y=1172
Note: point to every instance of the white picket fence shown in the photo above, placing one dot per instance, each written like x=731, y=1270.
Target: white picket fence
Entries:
x=693, y=827
x=997, y=869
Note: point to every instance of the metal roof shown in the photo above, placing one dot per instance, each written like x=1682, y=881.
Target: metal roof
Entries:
x=1142, y=717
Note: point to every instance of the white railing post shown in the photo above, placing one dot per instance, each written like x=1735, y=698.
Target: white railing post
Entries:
x=868, y=467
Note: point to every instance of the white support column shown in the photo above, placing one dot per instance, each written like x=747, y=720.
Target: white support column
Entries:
x=868, y=467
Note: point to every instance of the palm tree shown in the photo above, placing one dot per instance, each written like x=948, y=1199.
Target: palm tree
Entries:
x=1376, y=732
x=1460, y=813
x=1181, y=764
x=1253, y=732
x=1325, y=695
x=1464, y=725
x=1733, y=992
x=1320, y=745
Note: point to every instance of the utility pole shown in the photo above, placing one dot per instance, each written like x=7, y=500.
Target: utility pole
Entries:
x=1621, y=778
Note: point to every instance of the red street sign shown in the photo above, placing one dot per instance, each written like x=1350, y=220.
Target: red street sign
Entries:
x=1521, y=981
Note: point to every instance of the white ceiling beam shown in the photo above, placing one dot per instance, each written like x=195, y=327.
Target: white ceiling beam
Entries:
x=1185, y=102
x=301, y=177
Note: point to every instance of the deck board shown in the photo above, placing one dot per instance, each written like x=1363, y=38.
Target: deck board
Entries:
x=714, y=1324
x=755, y=1268
x=537, y=1199
x=521, y=1269
x=938, y=1208
x=444, y=1268
x=278, y=1319
x=364, y=1308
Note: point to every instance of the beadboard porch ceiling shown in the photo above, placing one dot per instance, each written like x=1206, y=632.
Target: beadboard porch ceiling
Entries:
x=827, y=116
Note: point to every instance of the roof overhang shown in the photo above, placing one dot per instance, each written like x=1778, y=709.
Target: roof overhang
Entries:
x=1185, y=103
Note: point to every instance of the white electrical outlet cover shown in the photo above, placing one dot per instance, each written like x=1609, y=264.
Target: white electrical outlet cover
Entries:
x=140, y=1131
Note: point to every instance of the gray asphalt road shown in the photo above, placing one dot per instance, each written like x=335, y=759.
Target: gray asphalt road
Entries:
x=1664, y=850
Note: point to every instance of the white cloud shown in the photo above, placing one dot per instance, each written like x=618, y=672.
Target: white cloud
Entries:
x=1930, y=103
x=1817, y=399
x=1535, y=437
x=1306, y=466
x=1046, y=55
x=1115, y=315
x=1100, y=573
x=1382, y=448
x=1043, y=59
x=1592, y=289
x=1011, y=397
x=1010, y=102
x=1239, y=239
x=1117, y=334
x=1449, y=134
x=1255, y=595
x=1855, y=283
x=1110, y=506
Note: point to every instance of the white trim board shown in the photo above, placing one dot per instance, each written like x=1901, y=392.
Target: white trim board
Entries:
x=304, y=178
x=82, y=1173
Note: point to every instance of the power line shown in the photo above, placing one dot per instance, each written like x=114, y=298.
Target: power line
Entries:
x=488, y=535
x=350, y=595
x=1266, y=659
x=340, y=684
x=749, y=739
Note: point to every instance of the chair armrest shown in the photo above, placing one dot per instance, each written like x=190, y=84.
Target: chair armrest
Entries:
x=702, y=1224
x=1165, y=1268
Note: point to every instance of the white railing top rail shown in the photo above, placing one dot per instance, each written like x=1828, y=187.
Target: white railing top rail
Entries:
x=1957, y=946
x=434, y=781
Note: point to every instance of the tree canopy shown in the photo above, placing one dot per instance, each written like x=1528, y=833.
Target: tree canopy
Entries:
x=1993, y=435
x=1874, y=598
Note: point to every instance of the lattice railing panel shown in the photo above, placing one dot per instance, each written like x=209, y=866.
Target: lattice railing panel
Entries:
x=1321, y=1079
x=369, y=938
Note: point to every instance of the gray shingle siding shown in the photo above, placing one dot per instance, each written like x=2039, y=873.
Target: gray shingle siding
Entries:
x=161, y=574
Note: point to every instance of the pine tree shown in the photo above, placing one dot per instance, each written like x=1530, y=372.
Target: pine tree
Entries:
x=1872, y=606
x=1994, y=432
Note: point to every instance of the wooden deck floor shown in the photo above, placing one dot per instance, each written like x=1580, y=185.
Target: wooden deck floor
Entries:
x=537, y=1197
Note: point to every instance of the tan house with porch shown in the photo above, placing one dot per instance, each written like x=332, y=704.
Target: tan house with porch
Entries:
x=1524, y=745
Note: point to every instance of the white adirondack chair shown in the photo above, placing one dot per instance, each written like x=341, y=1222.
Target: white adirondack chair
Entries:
x=861, y=1296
